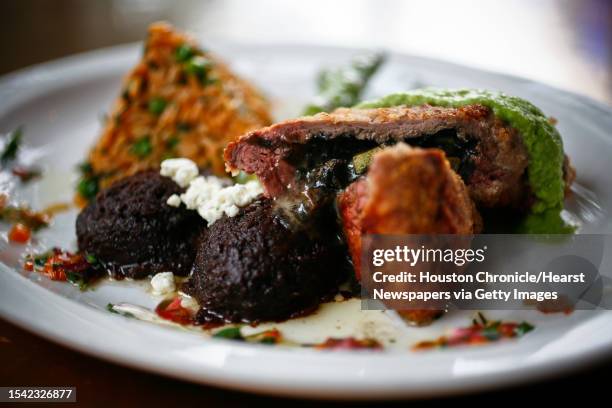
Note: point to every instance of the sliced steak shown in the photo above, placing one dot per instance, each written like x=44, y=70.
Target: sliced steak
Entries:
x=489, y=155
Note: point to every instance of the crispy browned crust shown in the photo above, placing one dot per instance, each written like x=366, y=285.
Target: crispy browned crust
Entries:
x=415, y=191
x=351, y=203
x=500, y=160
x=199, y=118
x=407, y=191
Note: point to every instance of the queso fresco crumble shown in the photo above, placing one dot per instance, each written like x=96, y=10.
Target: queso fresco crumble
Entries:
x=209, y=195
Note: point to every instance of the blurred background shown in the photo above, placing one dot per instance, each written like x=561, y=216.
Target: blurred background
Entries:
x=565, y=43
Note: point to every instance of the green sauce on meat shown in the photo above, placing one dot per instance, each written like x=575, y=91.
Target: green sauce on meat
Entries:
x=542, y=141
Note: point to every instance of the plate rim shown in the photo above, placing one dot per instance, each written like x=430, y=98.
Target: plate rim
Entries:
x=460, y=386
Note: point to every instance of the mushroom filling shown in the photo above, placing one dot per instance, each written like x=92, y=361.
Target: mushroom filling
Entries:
x=333, y=164
x=324, y=166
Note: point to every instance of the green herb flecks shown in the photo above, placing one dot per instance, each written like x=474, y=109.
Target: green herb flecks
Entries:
x=13, y=142
x=9, y=157
x=88, y=187
x=344, y=86
x=482, y=331
x=142, y=147
x=111, y=308
x=231, y=333
x=92, y=259
x=60, y=265
x=480, y=319
x=184, y=53
x=523, y=328
x=157, y=106
x=172, y=142
x=194, y=64
x=77, y=280
x=89, y=183
x=271, y=336
x=199, y=66
x=40, y=260
x=85, y=168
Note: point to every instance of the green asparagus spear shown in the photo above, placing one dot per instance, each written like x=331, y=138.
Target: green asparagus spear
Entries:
x=344, y=86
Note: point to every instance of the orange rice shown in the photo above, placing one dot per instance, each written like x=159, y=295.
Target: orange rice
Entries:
x=179, y=101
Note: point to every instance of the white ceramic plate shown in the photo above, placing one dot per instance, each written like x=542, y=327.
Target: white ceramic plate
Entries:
x=60, y=103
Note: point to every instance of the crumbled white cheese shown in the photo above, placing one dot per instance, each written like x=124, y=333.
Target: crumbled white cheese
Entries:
x=225, y=200
x=209, y=196
x=174, y=200
x=182, y=171
x=163, y=283
x=200, y=190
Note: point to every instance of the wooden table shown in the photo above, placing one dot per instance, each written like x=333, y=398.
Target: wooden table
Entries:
x=28, y=360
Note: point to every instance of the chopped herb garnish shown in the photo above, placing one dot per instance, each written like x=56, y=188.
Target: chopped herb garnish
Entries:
x=60, y=265
x=111, y=308
x=172, y=142
x=157, y=106
x=12, y=145
x=523, y=328
x=91, y=258
x=210, y=80
x=85, y=168
x=88, y=187
x=232, y=333
x=272, y=336
x=75, y=279
x=40, y=261
x=198, y=66
x=142, y=147
x=184, y=53
x=482, y=331
x=481, y=319
x=491, y=333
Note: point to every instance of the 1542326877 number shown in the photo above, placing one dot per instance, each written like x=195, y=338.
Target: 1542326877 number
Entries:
x=49, y=394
